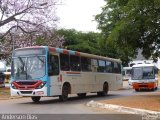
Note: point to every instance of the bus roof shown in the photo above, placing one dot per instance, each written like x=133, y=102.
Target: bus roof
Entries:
x=143, y=65
x=127, y=68
x=60, y=50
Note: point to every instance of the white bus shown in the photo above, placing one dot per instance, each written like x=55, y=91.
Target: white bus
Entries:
x=47, y=71
x=144, y=76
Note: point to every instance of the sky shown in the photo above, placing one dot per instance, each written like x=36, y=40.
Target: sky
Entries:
x=79, y=14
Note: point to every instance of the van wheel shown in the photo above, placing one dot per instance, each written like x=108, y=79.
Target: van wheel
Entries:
x=105, y=90
x=82, y=95
x=65, y=91
x=36, y=98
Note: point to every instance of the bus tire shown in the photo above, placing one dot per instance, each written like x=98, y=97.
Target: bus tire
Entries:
x=156, y=88
x=82, y=95
x=153, y=89
x=105, y=90
x=65, y=92
x=36, y=98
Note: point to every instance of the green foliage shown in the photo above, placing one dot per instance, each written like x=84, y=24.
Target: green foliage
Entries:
x=40, y=41
x=129, y=25
x=79, y=41
x=94, y=43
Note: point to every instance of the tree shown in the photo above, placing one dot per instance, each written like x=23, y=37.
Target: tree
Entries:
x=23, y=22
x=79, y=41
x=27, y=15
x=90, y=42
x=129, y=25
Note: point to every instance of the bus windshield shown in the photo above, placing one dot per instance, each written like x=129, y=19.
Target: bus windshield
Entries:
x=140, y=73
x=28, y=68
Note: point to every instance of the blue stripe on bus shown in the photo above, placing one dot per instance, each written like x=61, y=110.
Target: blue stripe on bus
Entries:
x=47, y=78
x=59, y=50
x=71, y=52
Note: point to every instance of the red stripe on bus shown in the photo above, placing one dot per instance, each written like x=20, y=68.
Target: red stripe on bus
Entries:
x=60, y=78
x=65, y=51
x=77, y=53
x=72, y=72
x=52, y=49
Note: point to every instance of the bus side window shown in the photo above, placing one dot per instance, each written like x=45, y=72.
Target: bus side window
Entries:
x=75, y=63
x=85, y=64
x=116, y=68
x=101, y=66
x=53, y=65
x=64, y=62
x=109, y=67
x=119, y=68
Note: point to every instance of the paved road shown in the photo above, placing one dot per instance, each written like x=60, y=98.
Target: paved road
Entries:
x=75, y=107
x=52, y=105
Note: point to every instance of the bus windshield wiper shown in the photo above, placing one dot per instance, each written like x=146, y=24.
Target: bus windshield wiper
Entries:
x=42, y=60
x=21, y=61
x=23, y=64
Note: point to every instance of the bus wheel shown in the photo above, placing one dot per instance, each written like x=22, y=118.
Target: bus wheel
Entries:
x=65, y=91
x=36, y=98
x=82, y=95
x=105, y=90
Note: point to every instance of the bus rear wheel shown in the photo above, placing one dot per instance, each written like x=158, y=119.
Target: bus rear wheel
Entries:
x=36, y=98
x=65, y=91
x=82, y=95
x=105, y=90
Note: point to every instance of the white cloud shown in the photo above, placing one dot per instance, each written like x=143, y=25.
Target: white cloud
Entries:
x=79, y=14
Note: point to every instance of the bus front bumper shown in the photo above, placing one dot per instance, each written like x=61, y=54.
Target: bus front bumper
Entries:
x=150, y=85
x=34, y=92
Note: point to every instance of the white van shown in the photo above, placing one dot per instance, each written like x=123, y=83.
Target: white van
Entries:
x=126, y=72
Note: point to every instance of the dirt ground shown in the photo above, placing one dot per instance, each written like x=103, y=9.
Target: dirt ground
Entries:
x=148, y=101
x=4, y=93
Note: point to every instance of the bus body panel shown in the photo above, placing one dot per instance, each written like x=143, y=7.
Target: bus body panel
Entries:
x=55, y=86
x=78, y=81
x=114, y=81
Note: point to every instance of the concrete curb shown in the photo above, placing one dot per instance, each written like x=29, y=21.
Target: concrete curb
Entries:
x=119, y=108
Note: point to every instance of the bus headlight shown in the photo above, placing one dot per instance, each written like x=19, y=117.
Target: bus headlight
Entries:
x=41, y=85
x=13, y=86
